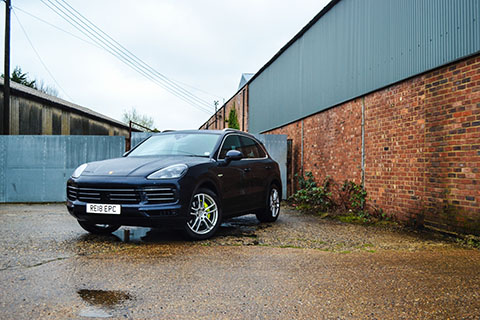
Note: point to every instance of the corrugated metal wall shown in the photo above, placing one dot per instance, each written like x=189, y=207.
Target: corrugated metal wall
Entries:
x=36, y=168
x=360, y=46
x=276, y=145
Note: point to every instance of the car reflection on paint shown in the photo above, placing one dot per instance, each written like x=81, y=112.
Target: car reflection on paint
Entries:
x=190, y=180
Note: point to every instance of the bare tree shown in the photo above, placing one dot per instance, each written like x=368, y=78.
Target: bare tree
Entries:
x=135, y=116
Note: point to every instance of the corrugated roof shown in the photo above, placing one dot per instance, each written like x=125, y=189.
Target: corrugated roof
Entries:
x=62, y=104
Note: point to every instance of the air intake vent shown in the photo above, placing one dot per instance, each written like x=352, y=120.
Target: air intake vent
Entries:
x=100, y=195
x=160, y=195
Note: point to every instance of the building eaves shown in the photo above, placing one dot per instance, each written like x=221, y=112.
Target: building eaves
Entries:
x=37, y=95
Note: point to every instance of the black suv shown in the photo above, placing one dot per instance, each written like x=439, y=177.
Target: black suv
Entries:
x=190, y=180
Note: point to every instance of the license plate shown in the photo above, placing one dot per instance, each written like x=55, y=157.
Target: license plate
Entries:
x=103, y=208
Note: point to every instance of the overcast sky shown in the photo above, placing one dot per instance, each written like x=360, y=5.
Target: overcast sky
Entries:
x=205, y=44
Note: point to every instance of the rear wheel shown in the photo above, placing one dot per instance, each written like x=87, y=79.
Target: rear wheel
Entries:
x=272, y=210
x=205, y=215
x=97, y=228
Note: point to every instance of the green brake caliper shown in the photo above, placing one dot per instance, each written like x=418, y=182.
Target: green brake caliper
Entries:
x=208, y=210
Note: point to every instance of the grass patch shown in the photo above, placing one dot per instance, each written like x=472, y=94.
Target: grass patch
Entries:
x=290, y=246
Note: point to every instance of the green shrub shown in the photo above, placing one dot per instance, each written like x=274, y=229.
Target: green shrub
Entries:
x=312, y=197
x=354, y=196
x=349, y=200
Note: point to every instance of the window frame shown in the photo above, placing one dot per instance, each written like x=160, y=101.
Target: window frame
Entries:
x=246, y=136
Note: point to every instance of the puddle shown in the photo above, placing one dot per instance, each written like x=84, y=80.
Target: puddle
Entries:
x=101, y=302
x=103, y=298
x=240, y=227
x=152, y=235
x=245, y=226
x=132, y=234
x=92, y=312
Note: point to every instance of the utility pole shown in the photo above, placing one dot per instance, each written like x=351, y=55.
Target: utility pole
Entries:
x=6, y=71
x=216, y=105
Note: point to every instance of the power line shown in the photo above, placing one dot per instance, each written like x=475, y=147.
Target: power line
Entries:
x=54, y=26
x=118, y=51
x=133, y=56
x=197, y=89
x=120, y=54
x=38, y=55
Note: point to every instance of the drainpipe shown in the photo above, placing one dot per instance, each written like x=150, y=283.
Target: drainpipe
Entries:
x=363, y=142
x=301, y=150
x=243, y=110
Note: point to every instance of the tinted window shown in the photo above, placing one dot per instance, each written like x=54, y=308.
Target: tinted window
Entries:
x=178, y=144
x=232, y=142
x=251, y=149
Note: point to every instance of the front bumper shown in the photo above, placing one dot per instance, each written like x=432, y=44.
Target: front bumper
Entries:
x=142, y=213
x=133, y=215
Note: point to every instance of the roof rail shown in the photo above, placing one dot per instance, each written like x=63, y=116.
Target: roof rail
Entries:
x=234, y=130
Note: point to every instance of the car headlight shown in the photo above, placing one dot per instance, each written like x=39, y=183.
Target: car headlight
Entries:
x=78, y=172
x=171, y=172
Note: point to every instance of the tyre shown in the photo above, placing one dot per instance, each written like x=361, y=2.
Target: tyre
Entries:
x=272, y=209
x=205, y=215
x=100, y=229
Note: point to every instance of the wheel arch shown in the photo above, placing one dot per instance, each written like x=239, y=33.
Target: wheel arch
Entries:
x=278, y=183
x=207, y=184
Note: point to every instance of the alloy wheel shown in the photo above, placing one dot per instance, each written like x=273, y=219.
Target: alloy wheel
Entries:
x=274, y=202
x=204, y=214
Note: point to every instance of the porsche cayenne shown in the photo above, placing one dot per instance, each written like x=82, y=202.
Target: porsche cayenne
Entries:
x=190, y=180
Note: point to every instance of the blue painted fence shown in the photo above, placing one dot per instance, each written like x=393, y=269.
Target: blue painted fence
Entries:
x=36, y=168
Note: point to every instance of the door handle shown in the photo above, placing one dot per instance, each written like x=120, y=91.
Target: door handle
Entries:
x=247, y=169
x=268, y=167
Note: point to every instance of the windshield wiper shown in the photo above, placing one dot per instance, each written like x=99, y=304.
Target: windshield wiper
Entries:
x=189, y=154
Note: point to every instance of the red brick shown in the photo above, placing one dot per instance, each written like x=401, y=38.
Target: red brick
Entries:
x=411, y=146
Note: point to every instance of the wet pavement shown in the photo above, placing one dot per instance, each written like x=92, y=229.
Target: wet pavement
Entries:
x=301, y=267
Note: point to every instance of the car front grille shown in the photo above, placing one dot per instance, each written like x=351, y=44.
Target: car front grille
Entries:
x=160, y=195
x=152, y=195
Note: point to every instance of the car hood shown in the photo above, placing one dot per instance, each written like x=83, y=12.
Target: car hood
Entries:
x=137, y=166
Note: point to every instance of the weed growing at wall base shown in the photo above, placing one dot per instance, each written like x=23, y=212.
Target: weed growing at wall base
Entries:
x=347, y=202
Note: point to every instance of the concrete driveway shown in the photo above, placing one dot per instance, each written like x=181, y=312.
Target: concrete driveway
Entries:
x=301, y=267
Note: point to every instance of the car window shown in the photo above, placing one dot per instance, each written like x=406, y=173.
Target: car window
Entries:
x=177, y=144
x=251, y=148
x=232, y=142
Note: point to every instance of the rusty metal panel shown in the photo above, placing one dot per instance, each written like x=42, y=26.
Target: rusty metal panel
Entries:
x=357, y=47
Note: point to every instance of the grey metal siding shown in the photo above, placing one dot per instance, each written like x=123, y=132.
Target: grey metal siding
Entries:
x=359, y=46
x=276, y=145
x=36, y=168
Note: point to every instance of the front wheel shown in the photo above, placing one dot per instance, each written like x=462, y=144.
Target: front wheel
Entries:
x=205, y=215
x=101, y=229
x=272, y=210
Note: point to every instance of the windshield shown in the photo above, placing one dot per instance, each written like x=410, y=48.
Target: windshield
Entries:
x=177, y=144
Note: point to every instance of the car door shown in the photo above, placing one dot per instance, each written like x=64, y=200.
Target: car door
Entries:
x=232, y=177
x=256, y=172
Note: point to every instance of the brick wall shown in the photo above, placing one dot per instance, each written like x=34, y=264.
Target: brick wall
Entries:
x=452, y=137
x=240, y=102
x=422, y=146
x=331, y=143
x=394, y=148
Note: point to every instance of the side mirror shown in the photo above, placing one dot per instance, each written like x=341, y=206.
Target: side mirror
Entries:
x=233, y=155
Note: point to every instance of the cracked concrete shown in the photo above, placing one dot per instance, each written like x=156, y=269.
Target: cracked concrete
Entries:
x=301, y=267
